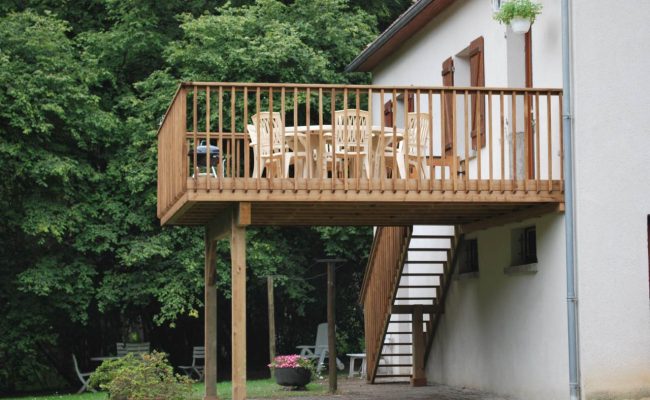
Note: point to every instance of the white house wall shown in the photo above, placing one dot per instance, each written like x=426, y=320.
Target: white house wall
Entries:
x=612, y=142
x=507, y=333
x=501, y=333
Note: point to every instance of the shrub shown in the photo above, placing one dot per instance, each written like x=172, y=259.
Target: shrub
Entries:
x=141, y=377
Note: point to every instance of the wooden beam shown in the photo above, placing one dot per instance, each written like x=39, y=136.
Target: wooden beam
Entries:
x=238, y=260
x=210, y=319
x=219, y=227
x=516, y=216
x=418, y=378
x=244, y=214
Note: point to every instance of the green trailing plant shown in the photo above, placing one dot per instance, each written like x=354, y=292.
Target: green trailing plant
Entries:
x=518, y=8
x=141, y=377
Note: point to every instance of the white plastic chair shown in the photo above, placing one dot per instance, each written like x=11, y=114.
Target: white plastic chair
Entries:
x=352, y=139
x=83, y=376
x=414, y=148
x=320, y=349
x=198, y=363
x=271, y=146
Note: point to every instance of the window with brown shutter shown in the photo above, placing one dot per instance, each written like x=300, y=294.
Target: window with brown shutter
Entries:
x=477, y=79
x=448, y=126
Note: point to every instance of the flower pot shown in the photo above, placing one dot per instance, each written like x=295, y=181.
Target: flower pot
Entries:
x=298, y=377
x=520, y=25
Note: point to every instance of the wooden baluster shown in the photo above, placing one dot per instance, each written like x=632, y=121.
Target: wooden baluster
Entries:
x=246, y=145
x=468, y=139
x=371, y=164
x=295, y=130
x=333, y=138
x=321, y=144
x=222, y=153
x=418, y=131
x=454, y=150
x=382, y=144
x=432, y=171
x=258, y=181
x=538, y=166
x=513, y=132
x=479, y=135
x=502, y=127
x=394, y=141
x=345, y=140
x=550, y=144
x=526, y=153
x=235, y=157
x=443, y=150
x=561, y=118
x=310, y=173
x=196, y=141
x=357, y=134
x=208, y=161
x=490, y=150
x=284, y=140
x=272, y=164
x=407, y=161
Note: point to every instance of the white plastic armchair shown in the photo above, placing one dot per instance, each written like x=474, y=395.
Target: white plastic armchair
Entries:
x=320, y=349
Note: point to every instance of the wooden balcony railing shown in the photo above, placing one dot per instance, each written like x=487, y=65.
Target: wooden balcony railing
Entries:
x=380, y=286
x=290, y=139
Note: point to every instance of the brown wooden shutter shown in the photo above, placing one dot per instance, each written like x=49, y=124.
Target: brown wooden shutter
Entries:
x=448, y=80
x=411, y=107
x=477, y=79
x=388, y=113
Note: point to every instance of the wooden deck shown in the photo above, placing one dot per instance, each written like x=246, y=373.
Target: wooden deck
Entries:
x=465, y=169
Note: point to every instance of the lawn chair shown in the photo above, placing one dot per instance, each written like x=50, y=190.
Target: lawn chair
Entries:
x=320, y=349
x=83, y=376
x=198, y=363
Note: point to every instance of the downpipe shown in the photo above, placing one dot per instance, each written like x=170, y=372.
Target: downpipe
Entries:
x=572, y=298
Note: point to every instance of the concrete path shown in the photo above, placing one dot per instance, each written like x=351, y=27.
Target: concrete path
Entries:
x=357, y=389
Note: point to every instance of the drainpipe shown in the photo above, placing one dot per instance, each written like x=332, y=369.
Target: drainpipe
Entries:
x=572, y=299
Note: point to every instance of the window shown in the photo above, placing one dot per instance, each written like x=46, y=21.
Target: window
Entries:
x=468, y=258
x=524, y=246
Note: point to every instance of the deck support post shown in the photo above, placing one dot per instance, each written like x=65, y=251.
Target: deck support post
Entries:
x=238, y=273
x=210, y=319
x=331, y=326
x=419, y=378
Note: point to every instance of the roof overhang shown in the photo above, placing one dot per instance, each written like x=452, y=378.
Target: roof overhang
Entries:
x=403, y=28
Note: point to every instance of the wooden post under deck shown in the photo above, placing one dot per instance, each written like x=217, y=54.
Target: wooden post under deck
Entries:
x=331, y=326
x=238, y=259
x=210, y=318
x=419, y=378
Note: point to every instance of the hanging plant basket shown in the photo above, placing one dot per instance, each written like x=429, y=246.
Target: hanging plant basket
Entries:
x=520, y=25
x=292, y=377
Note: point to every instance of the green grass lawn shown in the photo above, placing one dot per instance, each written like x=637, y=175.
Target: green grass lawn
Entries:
x=263, y=388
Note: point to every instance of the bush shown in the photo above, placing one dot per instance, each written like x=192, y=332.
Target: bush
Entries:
x=141, y=377
x=518, y=8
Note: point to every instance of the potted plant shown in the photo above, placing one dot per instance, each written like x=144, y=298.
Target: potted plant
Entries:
x=293, y=370
x=519, y=14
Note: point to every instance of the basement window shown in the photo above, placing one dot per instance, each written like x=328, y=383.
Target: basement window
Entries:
x=524, y=246
x=468, y=258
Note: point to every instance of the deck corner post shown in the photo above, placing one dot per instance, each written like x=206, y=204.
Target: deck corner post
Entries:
x=238, y=257
x=210, y=318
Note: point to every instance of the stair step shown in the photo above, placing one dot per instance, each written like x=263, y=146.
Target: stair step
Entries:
x=418, y=286
x=398, y=344
x=400, y=333
x=395, y=355
x=422, y=274
x=429, y=249
x=416, y=298
x=424, y=262
x=393, y=376
x=431, y=237
x=395, y=365
x=400, y=322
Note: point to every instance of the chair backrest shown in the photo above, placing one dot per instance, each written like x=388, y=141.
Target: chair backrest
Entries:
x=252, y=134
x=321, y=336
x=120, y=349
x=269, y=125
x=138, y=348
x=351, y=129
x=198, y=353
x=413, y=134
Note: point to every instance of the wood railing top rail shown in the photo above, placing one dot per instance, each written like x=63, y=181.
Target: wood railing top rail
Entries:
x=435, y=89
x=371, y=260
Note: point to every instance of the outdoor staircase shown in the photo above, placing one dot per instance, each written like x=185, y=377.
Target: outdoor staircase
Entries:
x=420, y=279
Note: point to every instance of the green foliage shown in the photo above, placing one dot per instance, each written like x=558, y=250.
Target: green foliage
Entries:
x=83, y=260
x=141, y=377
x=518, y=8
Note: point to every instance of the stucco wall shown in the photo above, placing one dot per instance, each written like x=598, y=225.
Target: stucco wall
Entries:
x=612, y=148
